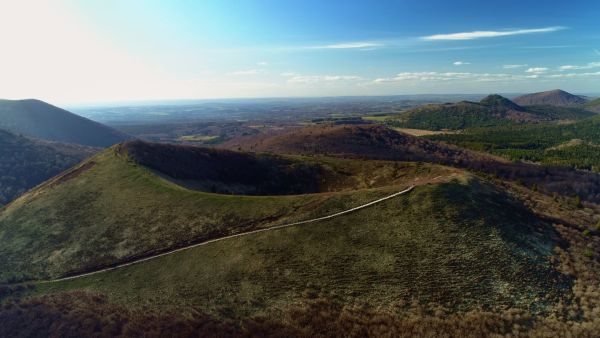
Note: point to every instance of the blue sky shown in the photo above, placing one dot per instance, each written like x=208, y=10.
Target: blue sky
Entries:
x=86, y=51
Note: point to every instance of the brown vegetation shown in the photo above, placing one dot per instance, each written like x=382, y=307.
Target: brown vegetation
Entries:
x=378, y=142
x=82, y=314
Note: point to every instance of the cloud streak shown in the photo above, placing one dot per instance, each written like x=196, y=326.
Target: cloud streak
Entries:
x=489, y=34
x=247, y=72
x=461, y=63
x=536, y=70
x=350, y=45
x=572, y=75
x=572, y=67
x=446, y=76
x=308, y=79
x=513, y=66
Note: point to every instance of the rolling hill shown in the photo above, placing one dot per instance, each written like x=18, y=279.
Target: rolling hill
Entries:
x=454, y=246
x=456, y=255
x=555, y=97
x=41, y=120
x=434, y=244
x=493, y=110
x=125, y=203
x=358, y=141
x=25, y=163
x=380, y=142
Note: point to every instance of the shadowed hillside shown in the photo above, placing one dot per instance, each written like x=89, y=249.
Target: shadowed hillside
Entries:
x=228, y=172
x=371, y=141
x=25, y=163
x=44, y=121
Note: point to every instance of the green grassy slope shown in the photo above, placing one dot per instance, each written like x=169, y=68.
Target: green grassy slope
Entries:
x=460, y=244
x=44, y=121
x=110, y=209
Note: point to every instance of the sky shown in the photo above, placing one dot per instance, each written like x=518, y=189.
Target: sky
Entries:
x=84, y=51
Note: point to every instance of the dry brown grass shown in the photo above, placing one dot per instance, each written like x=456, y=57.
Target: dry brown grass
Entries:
x=423, y=132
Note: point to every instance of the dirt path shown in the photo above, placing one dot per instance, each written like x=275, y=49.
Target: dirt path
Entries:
x=234, y=236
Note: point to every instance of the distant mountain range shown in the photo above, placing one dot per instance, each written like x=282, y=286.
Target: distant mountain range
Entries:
x=555, y=97
x=41, y=120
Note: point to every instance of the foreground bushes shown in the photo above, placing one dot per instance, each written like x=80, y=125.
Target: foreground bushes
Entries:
x=80, y=314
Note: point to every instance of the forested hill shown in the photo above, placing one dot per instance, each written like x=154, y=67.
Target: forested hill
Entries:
x=494, y=110
x=25, y=163
x=555, y=97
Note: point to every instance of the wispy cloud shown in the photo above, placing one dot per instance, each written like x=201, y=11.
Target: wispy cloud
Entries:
x=262, y=63
x=446, y=76
x=490, y=34
x=571, y=75
x=597, y=52
x=574, y=67
x=536, y=70
x=350, y=45
x=513, y=66
x=461, y=63
x=548, y=47
x=307, y=79
x=288, y=74
x=245, y=72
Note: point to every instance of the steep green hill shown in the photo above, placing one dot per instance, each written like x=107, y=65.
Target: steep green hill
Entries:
x=111, y=209
x=25, y=163
x=41, y=120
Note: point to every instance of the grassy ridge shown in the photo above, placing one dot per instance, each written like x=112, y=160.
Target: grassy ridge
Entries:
x=459, y=244
x=110, y=209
